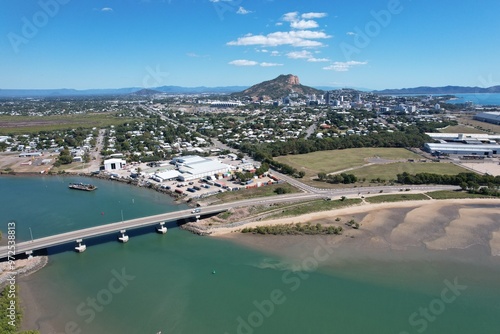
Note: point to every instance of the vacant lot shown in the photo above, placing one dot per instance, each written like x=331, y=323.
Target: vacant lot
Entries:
x=339, y=160
x=27, y=124
x=461, y=129
x=390, y=171
x=270, y=190
x=480, y=125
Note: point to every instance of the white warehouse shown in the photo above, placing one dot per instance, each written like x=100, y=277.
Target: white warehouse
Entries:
x=114, y=164
x=201, y=168
x=465, y=149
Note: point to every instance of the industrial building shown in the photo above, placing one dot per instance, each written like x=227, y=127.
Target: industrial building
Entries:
x=489, y=117
x=461, y=137
x=462, y=149
x=195, y=167
x=114, y=164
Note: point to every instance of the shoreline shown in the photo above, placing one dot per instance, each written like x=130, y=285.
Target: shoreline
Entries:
x=28, y=266
x=436, y=225
x=378, y=221
x=361, y=208
x=176, y=197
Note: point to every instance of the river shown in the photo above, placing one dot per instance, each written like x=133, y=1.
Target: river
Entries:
x=184, y=283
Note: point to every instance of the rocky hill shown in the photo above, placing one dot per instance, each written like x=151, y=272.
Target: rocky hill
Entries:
x=279, y=87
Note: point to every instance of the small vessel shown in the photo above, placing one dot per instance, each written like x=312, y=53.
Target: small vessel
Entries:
x=82, y=186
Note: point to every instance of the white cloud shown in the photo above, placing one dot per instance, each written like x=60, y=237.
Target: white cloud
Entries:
x=243, y=11
x=304, y=24
x=290, y=17
x=298, y=38
x=195, y=55
x=317, y=60
x=299, y=54
x=275, y=53
x=106, y=9
x=350, y=33
x=340, y=66
x=215, y=1
x=243, y=62
x=264, y=64
x=313, y=15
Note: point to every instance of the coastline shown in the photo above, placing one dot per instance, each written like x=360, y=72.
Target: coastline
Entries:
x=431, y=224
x=24, y=267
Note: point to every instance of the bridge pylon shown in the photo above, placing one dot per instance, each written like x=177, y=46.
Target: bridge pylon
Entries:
x=162, y=229
x=123, y=237
x=81, y=247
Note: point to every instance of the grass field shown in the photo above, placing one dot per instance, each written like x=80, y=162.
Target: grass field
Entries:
x=480, y=125
x=231, y=196
x=396, y=198
x=461, y=129
x=337, y=160
x=444, y=194
x=25, y=124
x=313, y=206
x=390, y=171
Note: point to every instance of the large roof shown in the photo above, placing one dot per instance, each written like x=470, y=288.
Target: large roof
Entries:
x=462, y=147
x=167, y=175
x=202, y=167
x=462, y=136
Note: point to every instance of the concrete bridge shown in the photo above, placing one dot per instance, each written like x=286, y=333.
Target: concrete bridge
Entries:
x=118, y=228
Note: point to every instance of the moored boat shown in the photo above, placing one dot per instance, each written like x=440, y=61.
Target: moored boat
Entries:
x=82, y=186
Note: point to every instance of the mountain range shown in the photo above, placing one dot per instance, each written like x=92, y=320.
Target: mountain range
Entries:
x=119, y=91
x=439, y=90
x=275, y=88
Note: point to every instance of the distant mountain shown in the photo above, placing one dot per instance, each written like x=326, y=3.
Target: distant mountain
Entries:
x=146, y=92
x=279, y=87
x=9, y=93
x=200, y=89
x=64, y=92
x=439, y=90
x=329, y=88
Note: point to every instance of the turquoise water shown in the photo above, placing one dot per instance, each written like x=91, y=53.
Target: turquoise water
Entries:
x=183, y=283
x=479, y=99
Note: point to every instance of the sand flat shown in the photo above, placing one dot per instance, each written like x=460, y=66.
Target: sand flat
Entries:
x=473, y=227
x=433, y=224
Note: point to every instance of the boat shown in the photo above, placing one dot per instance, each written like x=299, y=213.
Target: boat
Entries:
x=82, y=186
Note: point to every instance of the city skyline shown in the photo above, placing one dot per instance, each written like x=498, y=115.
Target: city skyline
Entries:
x=53, y=44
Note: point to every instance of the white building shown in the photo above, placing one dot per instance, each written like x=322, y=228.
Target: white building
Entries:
x=202, y=168
x=490, y=117
x=114, y=164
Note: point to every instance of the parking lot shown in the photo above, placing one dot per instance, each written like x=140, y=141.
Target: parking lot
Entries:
x=207, y=187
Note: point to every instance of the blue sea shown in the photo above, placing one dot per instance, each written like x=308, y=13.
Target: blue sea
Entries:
x=484, y=99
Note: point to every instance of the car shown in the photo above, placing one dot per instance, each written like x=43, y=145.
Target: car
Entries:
x=196, y=211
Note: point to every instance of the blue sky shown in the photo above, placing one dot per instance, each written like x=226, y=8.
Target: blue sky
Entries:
x=372, y=44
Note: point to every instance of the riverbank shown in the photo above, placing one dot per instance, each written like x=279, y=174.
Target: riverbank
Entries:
x=431, y=224
x=22, y=267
